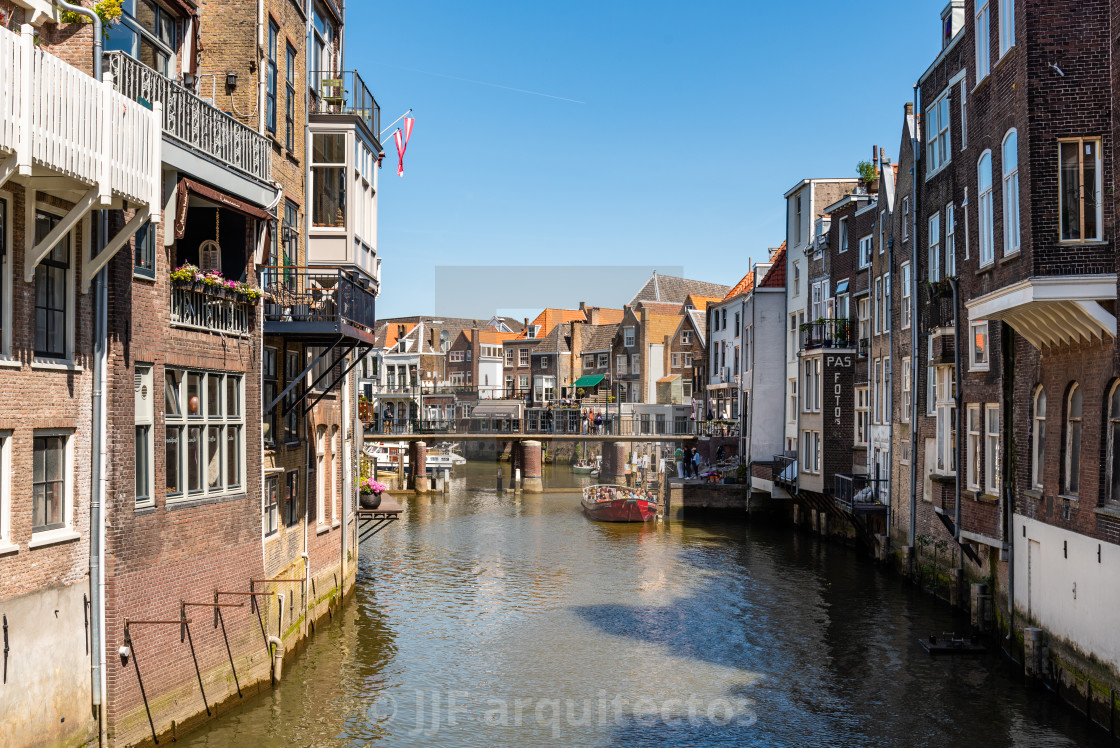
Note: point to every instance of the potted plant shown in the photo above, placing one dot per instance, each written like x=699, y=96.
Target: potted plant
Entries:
x=741, y=472
x=869, y=175
x=370, y=490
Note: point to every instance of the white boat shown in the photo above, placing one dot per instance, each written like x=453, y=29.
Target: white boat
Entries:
x=390, y=455
x=584, y=466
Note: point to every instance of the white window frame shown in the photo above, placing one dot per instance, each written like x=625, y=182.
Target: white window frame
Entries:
x=946, y=420
x=635, y=363
x=588, y=362
x=878, y=291
x=792, y=389
x=620, y=364
x=676, y=360
x=6, y=263
x=974, y=428
x=1011, y=226
x=628, y=337
x=796, y=278
x=931, y=390
x=964, y=114
x=865, y=252
x=934, y=241
x=977, y=362
x=1112, y=404
x=321, y=476
x=75, y=259
x=185, y=422
x=863, y=416
x=950, y=241
x=1006, y=26
x=905, y=224
x=686, y=337
x=991, y=448
x=603, y=361
x=843, y=238
x=66, y=530
x=522, y=358
x=906, y=311
x=877, y=396
x=6, y=544
x=1081, y=191
x=1038, y=437
x=939, y=150
x=981, y=31
x=863, y=313
x=887, y=311
x=906, y=391
x=985, y=210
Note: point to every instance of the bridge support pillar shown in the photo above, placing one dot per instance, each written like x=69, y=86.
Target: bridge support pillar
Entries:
x=615, y=465
x=418, y=466
x=531, y=467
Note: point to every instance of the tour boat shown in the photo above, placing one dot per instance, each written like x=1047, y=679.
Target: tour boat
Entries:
x=613, y=503
x=390, y=455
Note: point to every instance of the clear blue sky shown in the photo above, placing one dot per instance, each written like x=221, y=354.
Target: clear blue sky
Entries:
x=667, y=136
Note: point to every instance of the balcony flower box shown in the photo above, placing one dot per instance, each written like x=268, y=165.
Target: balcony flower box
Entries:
x=212, y=283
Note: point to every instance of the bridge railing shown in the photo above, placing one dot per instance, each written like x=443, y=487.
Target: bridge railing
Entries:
x=545, y=422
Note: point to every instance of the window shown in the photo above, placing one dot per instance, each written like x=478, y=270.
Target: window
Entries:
x=865, y=252
x=523, y=382
x=289, y=506
x=863, y=415
x=984, y=177
x=796, y=279
x=50, y=491
x=931, y=390
x=620, y=364
x=1006, y=26
x=982, y=32
x=523, y=357
x=1073, y=441
x=455, y=357
x=686, y=337
x=268, y=394
x=147, y=33
x=991, y=449
x=906, y=391
x=797, y=219
x=588, y=362
x=878, y=304
x=816, y=305
x=938, y=148
x=635, y=363
x=1039, y=438
x=736, y=324
x=509, y=357
x=604, y=361
x=144, y=262
x=843, y=235
x=811, y=386
x=792, y=400
x=676, y=360
x=810, y=452
x=321, y=475
x=972, y=456
x=978, y=351
x=205, y=446
x=723, y=319
x=877, y=404
x=1010, y=192
x=328, y=174
x=290, y=98
x=1079, y=189
x=1113, y=494
x=5, y=490
x=687, y=360
x=144, y=397
x=271, y=504
x=52, y=293
x=887, y=311
x=270, y=82
x=863, y=309
x=905, y=223
x=950, y=241
x=544, y=362
x=935, y=248
x=946, y=393
x=964, y=115
x=906, y=295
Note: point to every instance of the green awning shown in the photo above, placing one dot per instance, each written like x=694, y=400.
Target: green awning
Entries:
x=588, y=380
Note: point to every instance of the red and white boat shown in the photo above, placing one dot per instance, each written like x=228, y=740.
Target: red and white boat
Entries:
x=612, y=503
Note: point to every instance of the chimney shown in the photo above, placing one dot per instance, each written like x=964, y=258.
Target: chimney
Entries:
x=909, y=108
x=593, y=316
x=952, y=21
x=583, y=306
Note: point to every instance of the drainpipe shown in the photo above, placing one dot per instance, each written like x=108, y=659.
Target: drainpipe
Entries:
x=890, y=384
x=957, y=401
x=1007, y=469
x=915, y=149
x=97, y=437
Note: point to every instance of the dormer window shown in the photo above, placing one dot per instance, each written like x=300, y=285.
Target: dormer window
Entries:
x=533, y=331
x=149, y=33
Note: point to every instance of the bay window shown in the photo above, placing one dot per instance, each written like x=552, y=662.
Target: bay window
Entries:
x=328, y=175
x=1079, y=189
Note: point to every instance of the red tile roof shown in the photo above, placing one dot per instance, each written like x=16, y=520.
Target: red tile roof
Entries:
x=776, y=276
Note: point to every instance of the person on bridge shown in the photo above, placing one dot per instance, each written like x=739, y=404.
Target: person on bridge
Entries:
x=695, y=463
x=679, y=455
x=387, y=418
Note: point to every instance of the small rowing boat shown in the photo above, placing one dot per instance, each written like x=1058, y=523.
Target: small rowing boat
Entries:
x=614, y=503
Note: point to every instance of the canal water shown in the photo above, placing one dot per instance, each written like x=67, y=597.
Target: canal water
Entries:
x=489, y=619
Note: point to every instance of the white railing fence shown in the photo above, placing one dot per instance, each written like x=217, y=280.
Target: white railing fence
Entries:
x=200, y=310
x=55, y=116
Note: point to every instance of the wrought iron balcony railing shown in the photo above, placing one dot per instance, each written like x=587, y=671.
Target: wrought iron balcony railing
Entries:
x=829, y=333
x=784, y=469
x=188, y=119
x=346, y=93
x=316, y=300
x=937, y=305
x=210, y=312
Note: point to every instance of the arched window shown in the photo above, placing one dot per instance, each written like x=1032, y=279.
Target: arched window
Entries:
x=1073, y=440
x=984, y=183
x=1010, y=193
x=1114, y=444
x=1039, y=438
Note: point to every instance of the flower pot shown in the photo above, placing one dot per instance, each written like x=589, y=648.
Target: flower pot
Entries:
x=273, y=311
x=370, y=500
x=873, y=187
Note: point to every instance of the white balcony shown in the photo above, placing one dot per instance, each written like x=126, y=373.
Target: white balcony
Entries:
x=61, y=129
x=1052, y=311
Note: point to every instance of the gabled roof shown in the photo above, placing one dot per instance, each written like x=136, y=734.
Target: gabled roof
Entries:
x=550, y=318
x=701, y=302
x=661, y=326
x=660, y=307
x=387, y=335
x=557, y=341
x=608, y=316
x=671, y=289
x=776, y=276
x=700, y=322
x=490, y=337
x=596, y=338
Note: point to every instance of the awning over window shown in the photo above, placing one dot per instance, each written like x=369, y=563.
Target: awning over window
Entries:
x=496, y=410
x=187, y=187
x=842, y=287
x=588, y=380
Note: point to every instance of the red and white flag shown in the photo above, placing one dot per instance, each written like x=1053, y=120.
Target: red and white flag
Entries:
x=402, y=143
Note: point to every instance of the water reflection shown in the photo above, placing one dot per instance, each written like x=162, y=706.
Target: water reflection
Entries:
x=487, y=618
